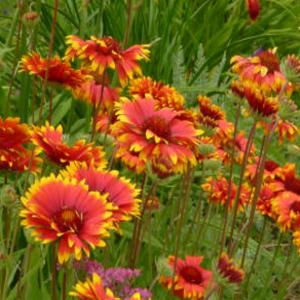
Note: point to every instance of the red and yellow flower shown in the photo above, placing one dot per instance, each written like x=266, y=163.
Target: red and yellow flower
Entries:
x=217, y=190
x=152, y=134
x=209, y=113
x=164, y=95
x=190, y=281
x=98, y=54
x=286, y=130
x=93, y=289
x=296, y=239
x=262, y=69
x=119, y=191
x=56, y=70
x=229, y=269
x=50, y=140
x=63, y=210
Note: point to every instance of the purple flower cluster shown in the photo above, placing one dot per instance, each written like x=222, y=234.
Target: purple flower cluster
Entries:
x=119, y=280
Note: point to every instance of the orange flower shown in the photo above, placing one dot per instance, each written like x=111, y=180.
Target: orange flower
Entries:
x=287, y=207
x=229, y=270
x=98, y=54
x=51, y=141
x=93, y=289
x=262, y=68
x=190, y=281
x=164, y=95
x=119, y=191
x=217, y=191
x=63, y=210
x=91, y=92
x=59, y=72
x=210, y=114
x=253, y=8
x=296, y=239
x=152, y=134
x=287, y=130
x=259, y=102
x=13, y=133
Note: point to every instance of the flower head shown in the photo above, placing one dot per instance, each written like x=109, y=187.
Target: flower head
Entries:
x=163, y=95
x=50, y=140
x=152, y=134
x=229, y=270
x=191, y=281
x=209, y=114
x=263, y=69
x=92, y=289
x=57, y=71
x=119, y=191
x=98, y=54
x=63, y=210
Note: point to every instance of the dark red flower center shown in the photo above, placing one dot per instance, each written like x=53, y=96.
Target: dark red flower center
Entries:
x=158, y=126
x=68, y=219
x=271, y=165
x=269, y=60
x=295, y=207
x=293, y=185
x=191, y=275
x=111, y=45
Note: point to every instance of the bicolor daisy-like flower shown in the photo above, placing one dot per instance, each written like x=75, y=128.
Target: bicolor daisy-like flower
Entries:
x=50, y=140
x=260, y=103
x=217, y=190
x=190, y=281
x=92, y=93
x=253, y=9
x=164, y=95
x=93, y=289
x=56, y=70
x=63, y=210
x=98, y=54
x=13, y=133
x=229, y=269
x=287, y=207
x=119, y=191
x=262, y=68
x=237, y=88
x=209, y=113
x=153, y=134
x=286, y=130
x=289, y=179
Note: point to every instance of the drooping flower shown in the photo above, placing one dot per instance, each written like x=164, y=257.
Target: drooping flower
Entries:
x=63, y=210
x=259, y=102
x=164, y=95
x=152, y=134
x=229, y=269
x=119, y=191
x=209, y=113
x=59, y=72
x=286, y=130
x=217, y=190
x=50, y=140
x=98, y=54
x=92, y=289
x=190, y=281
x=253, y=9
x=262, y=69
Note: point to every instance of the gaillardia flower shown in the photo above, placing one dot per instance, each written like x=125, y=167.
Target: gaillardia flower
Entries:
x=63, y=210
x=229, y=269
x=163, y=95
x=190, y=281
x=209, y=113
x=56, y=70
x=50, y=139
x=119, y=191
x=98, y=54
x=262, y=68
x=153, y=134
x=92, y=289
